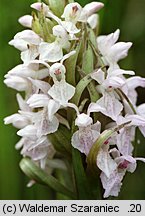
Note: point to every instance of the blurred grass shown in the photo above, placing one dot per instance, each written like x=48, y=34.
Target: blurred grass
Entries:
x=129, y=16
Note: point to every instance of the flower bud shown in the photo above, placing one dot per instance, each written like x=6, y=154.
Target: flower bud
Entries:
x=40, y=6
x=26, y=21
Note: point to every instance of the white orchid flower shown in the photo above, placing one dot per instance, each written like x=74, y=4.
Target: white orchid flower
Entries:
x=23, y=39
x=130, y=87
x=74, y=13
x=112, y=80
x=38, y=100
x=109, y=105
x=61, y=91
x=112, y=184
x=39, y=86
x=104, y=161
x=111, y=51
x=24, y=78
x=27, y=41
x=137, y=120
x=53, y=52
x=46, y=122
x=38, y=150
x=17, y=120
x=110, y=102
x=84, y=138
x=23, y=117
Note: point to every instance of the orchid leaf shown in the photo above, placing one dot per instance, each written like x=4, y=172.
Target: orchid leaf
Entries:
x=80, y=176
x=80, y=88
x=70, y=65
x=61, y=141
x=88, y=68
x=37, y=174
x=104, y=136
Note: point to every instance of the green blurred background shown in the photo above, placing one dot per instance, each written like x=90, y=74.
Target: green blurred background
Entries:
x=127, y=15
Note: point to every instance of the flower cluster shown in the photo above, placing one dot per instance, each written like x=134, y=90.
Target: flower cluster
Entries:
x=73, y=83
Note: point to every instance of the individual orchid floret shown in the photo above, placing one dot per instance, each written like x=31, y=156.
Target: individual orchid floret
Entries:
x=125, y=137
x=46, y=122
x=25, y=38
x=130, y=88
x=113, y=80
x=84, y=138
x=111, y=51
x=61, y=91
x=53, y=52
x=24, y=78
x=112, y=184
x=108, y=82
x=109, y=105
x=26, y=21
x=74, y=13
x=40, y=153
x=27, y=41
x=38, y=150
x=23, y=117
x=104, y=161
